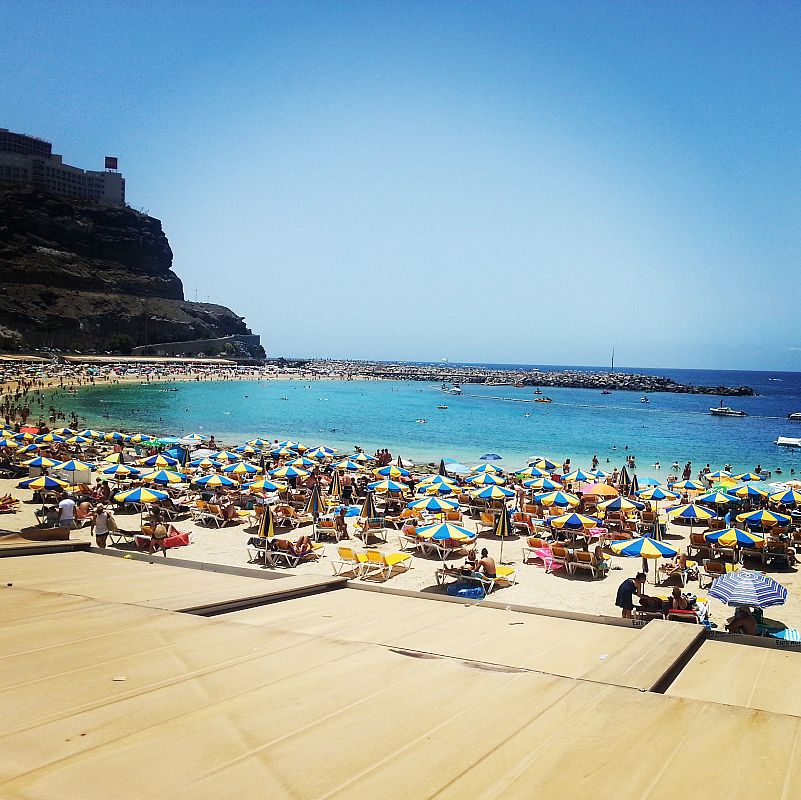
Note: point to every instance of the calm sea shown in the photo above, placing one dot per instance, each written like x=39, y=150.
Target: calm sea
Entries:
x=500, y=419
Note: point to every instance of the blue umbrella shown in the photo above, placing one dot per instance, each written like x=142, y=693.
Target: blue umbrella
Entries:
x=215, y=480
x=491, y=457
x=747, y=588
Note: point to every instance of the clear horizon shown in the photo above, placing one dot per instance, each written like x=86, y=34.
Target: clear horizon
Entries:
x=410, y=181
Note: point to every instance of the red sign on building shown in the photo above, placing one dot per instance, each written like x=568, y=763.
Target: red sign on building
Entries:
x=111, y=162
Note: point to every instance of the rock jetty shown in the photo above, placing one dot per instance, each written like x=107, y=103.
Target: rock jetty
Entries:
x=569, y=379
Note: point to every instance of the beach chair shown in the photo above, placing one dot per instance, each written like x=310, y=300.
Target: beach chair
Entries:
x=521, y=522
x=82, y=517
x=752, y=551
x=283, y=552
x=587, y=561
x=486, y=522
x=325, y=529
x=214, y=515
x=647, y=522
x=255, y=515
x=450, y=547
x=699, y=547
x=385, y=563
x=454, y=515
x=683, y=574
x=712, y=570
x=562, y=556
x=533, y=543
x=349, y=561
x=258, y=548
x=776, y=553
x=503, y=574
x=374, y=526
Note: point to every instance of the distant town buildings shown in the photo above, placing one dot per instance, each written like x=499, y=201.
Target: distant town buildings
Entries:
x=29, y=161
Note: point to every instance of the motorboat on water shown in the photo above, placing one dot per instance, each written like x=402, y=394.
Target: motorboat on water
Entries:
x=788, y=441
x=456, y=389
x=543, y=400
x=795, y=416
x=442, y=406
x=538, y=391
x=725, y=411
x=605, y=391
x=644, y=399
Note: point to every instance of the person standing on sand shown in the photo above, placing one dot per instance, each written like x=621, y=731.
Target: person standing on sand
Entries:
x=626, y=592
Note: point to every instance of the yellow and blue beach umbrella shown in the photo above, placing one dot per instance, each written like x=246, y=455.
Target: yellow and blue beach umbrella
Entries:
x=690, y=511
x=368, y=507
x=559, y=499
x=140, y=495
x=267, y=524
x=734, y=536
x=749, y=490
x=717, y=498
x=764, y=517
x=240, y=468
x=114, y=458
x=437, y=488
x=114, y=436
x=49, y=438
x=246, y=449
x=657, y=493
x=226, y=455
x=361, y=458
x=687, y=486
x=120, y=470
x=93, y=434
x=532, y=472
x=574, y=522
x=64, y=431
x=391, y=471
x=486, y=479
x=301, y=448
x=718, y=474
x=347, y=464
x=542, y=463
x=288, y=472
x=790, y=497
x=78, y=439
x=42, y=462
x=204, y=463
x=159, y=461
x=29, y=448
x=258, y=442
x=437, y=480
x=73, y=466
x=578, y=476
x=320, y=453
x=387, y=486
x=446, y=530
x=436, y=505
x=643, y=547
x=335, y=487
x=315, y=502
x=8, y=441
x=749, y=476
x=265, y=485
x=302, y=462
x=542, y=485
x=41, y=483
x=138, y=438
x=193, y=437
x=163, y=476
x=492, y=493
x=620, y=504
x=282, y=452
x=487, y=467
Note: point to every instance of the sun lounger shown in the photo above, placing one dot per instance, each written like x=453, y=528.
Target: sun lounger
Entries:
x=283, y=552
x=683, y=574
x=503, y=574
x=588, y=561
x=449, y=547
x=349, y=561
x=327, y=528
x=385, y=563
x=532, y=544
x=365, y=528
x=486, y=521
x=700, y=547
x=561, y=555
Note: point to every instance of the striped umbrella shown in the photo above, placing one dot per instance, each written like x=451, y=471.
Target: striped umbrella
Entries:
x=437, y=480
x=349, y=465
x=264, y=485
x=159, y=461
x=532, y=472
x=747, y=588
x=361, y=458
x=93, y=434
x=241, y=468
x=492, y=493
x=486, y=479
x=368, y=507
x=119, y=470
x=503, y=528
x=48, y=438
x=288, y=472
x=620, y=504
x=203, y=463
x=164, y=476
x=42, y=462
x=656, y=493
x=600, y=490
x=578, y=476
x=246, y=449
x=542, y=463
x=690, y=511
x=644, y=547
x=78, y=439
x=226, y=455
x=790, y=497
x=215, y=481
x=717, y=498
x=436, y=488
x=282, y=452
x=718, y=474
x=73, y=466
x=446, y=530
x=486, y=468
x=257, y=442
x=114, y=458
x=64, y=431
x=734, y=536
x=320, y=453
x=8, y=441
x=193, y=437
x=267, y=524
x=386, y=486
x=335, y=489
x=687, y=486
x=764, y=517
x=542, y=484
x=114, y=436
x=391, y=471
x=140, y=495
x=28, y=448
x=559, y=499
x=574, y=522
x=314, y=503
x=289, y=444
x=434, y=504
x=138, y=438
x=42, y=482
x=749, y=476
x=749, y=490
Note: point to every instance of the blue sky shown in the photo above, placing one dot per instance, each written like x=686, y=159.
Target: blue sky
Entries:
x=506, y=182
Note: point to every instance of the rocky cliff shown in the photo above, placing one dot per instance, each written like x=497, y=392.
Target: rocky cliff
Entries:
x=75, y=275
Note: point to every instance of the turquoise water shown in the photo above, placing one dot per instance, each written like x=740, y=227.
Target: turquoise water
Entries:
x=503, y=420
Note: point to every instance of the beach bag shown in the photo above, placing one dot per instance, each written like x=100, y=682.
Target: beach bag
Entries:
x=111, y=523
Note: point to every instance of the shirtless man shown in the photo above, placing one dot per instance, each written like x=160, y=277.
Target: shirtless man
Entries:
x=486, y=564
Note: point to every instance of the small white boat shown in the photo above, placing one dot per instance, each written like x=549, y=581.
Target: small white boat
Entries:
x=788, y=441
x=644, y=399
x=442, y=407
x=795, y=417
x=725, y=411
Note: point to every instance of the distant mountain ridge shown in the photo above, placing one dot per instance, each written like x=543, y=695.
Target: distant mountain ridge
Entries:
x=76, y=275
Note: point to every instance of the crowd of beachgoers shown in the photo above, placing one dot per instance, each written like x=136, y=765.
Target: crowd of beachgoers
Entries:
x=477, y=528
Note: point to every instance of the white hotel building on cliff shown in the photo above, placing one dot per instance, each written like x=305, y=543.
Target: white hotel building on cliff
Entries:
x=29, y=161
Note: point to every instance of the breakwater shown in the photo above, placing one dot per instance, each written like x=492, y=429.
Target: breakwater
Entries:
x=568, y=379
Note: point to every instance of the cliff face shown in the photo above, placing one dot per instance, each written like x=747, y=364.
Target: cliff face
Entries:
x=75, y=275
